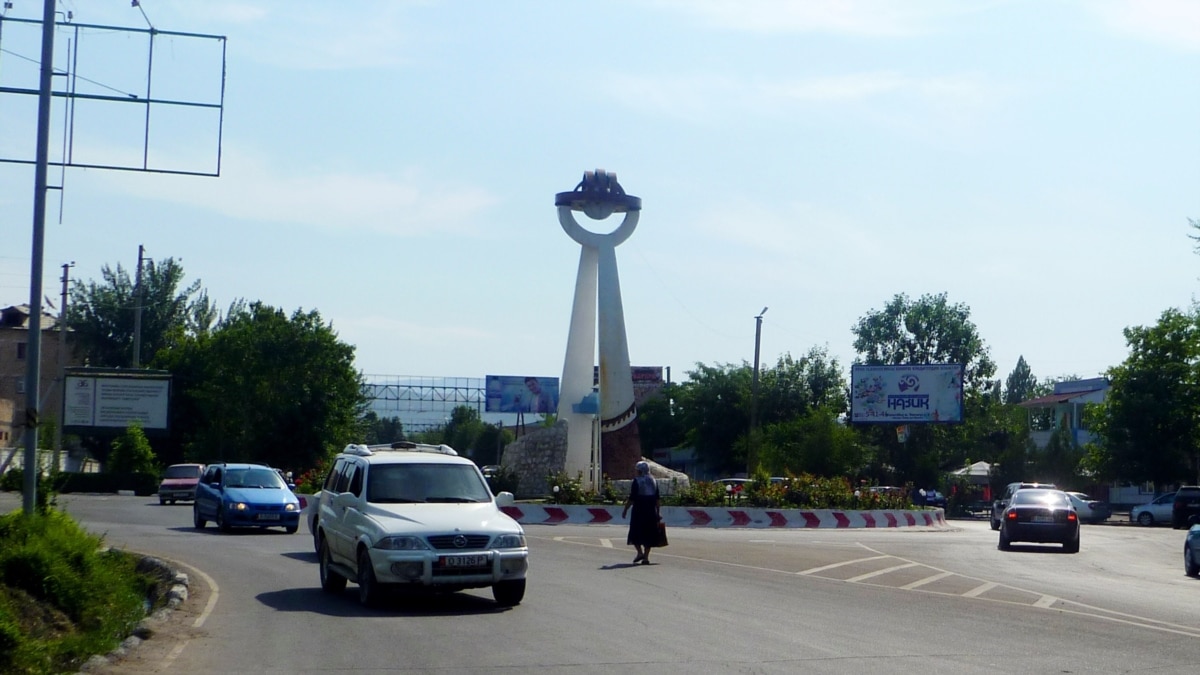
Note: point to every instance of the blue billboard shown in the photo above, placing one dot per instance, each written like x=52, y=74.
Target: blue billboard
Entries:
x=521, y=394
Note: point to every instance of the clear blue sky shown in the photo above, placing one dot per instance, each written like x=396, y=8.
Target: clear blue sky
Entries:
x=393, y=165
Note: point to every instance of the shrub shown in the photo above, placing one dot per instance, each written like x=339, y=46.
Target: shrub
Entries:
x=503, y=480
x=62, y=598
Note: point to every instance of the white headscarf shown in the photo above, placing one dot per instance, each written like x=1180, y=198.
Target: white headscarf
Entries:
x=645, y=482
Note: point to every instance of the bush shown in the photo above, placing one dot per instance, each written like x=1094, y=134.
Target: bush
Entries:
x=504, y=480
x=62, y=599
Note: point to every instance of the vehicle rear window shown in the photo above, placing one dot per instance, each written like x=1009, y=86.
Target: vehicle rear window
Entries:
x=182, y=472
x=1047, y=497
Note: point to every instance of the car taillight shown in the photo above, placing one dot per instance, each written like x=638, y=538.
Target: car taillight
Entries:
x=1011, y=515
x=1071, y=517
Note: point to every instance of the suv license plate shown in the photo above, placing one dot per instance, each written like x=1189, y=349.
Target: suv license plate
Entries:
x=466, y=561
x=268, y=516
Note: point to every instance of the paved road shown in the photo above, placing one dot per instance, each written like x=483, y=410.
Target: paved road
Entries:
x=745, y=601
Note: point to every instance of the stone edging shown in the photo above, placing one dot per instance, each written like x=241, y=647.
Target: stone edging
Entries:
x=177, y=594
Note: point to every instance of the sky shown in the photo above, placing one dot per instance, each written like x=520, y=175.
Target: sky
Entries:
x=393, y=165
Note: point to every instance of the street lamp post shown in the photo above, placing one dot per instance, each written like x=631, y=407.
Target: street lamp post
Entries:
x=752, y=450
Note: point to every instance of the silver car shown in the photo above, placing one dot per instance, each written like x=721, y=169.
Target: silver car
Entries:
x=1156, y=512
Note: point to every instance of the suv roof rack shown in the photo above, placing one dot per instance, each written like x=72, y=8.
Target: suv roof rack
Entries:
x=363, y=450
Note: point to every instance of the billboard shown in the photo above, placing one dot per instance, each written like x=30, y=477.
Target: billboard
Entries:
x=906, y=393
x=521, y=394
x=113, y=399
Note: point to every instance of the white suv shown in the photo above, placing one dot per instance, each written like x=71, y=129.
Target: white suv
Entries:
x=415, y=515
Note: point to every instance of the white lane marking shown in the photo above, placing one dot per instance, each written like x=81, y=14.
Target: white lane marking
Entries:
x=214, y=593
x=606, y=543
x=877, y=573
x=1045, y=601
x=840, y=564
x=980, y=589
x=927, y=580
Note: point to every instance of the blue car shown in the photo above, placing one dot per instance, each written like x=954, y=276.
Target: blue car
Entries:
x=245, y=495
x=1191, y=549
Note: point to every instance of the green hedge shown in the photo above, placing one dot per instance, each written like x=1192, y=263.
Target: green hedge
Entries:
x=142, y=484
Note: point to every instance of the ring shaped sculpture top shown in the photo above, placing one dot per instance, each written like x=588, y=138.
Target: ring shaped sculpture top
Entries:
x=597, y=239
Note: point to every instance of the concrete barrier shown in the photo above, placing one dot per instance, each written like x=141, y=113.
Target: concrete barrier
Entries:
x=699, y=516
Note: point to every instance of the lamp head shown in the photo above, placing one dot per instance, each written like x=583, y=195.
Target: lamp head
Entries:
x=598, y=195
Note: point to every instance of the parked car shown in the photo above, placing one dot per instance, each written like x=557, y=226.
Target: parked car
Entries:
x=1001, y=503
x=929, y=498
x=1089, y=510
x=244, y=495
x=1191, y=549
x=179, y=483
x=1186, y=505
x=416, y=516
x=1155, y=512
x=1040, y=515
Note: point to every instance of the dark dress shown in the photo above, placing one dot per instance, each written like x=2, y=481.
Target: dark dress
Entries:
x=643, y=519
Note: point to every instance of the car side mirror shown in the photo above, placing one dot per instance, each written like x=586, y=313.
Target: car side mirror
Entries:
x=215, y=486
x=505, y=498
x=344, y=499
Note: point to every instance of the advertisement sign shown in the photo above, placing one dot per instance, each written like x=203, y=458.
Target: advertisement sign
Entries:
x=906, y=393
x=515, y=393
x=112, y=400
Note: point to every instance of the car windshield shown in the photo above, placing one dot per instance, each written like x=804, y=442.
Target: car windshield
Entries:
x=253, y=478
x=418, y=483
x=1040, y=497
x=182, y=472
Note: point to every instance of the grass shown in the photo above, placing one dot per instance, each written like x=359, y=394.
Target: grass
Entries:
x=63, y=596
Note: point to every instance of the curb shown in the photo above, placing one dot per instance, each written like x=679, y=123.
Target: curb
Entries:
x=685, y=516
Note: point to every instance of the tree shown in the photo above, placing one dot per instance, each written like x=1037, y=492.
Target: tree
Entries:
x=659, y=425
x=1150, y=418
x=267, y=388
x=713, y=407
x=926, y=331
x=381, y=430
x=813, y=442
x=1021, y=384
x=101, y=316
x=131, y=453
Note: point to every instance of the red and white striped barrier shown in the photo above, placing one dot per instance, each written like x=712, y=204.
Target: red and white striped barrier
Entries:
x=697, y=516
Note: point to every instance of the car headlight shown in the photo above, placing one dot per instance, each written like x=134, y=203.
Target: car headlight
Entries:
x=238, y=506
x=402, y=543
x=289, y=507
x=509, y=541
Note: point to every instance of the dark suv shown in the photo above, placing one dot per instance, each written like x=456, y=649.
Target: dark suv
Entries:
x=1187, y=504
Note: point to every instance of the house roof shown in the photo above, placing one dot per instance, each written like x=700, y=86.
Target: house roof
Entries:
x=17, y=316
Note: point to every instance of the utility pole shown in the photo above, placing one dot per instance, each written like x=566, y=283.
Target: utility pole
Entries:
x=62, y=365
x=752, y=451
x=137, y=311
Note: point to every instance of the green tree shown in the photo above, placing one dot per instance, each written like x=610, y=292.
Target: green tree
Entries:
x=131, y=452
x=659, y=425
x=1150, y=418
x=267, y=388
x=1021, y=384
x=928, y=330
x=713, y=407
x=1059, y=461
x=378, y=429
x=816, y=442
x=101, y=316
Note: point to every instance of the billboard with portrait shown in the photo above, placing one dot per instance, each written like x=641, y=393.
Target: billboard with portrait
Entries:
x=521, y=394
x=906, y=393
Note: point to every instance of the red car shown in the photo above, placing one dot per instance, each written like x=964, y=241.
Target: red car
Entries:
x=179, y=483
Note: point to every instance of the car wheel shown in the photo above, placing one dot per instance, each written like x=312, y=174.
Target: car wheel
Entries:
x=331, y=581
x=995, y=524
x=221, y=524
x=197, y=520
x=1190, y=566
x=509, y=593
x=1071, y=546
x=1004, y=544
x=369, y=591
x=1145, y=519
x=171, y=502
x=291, y=529
x=162, y=502
x=316, y=535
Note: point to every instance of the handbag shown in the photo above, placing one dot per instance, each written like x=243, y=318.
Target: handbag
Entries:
x=660, y=538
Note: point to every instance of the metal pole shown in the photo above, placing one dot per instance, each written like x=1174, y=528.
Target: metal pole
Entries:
x=137, y=311
x=752, y=450
x=62, y=365
x=34, y=351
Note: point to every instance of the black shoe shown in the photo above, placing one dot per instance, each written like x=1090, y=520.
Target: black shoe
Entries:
x=645, y=561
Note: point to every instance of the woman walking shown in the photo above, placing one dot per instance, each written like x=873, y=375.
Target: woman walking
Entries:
x=643, y=526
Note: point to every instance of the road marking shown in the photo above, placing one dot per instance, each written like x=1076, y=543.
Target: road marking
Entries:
x=606, y=543
x=980, y=589
x=840, y=564
x=1045, y=601
x=214, y=593
x=927, y=580
x=877, y=573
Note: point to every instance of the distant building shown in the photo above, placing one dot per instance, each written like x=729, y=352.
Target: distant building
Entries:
x=14, y=345
x=1064, y=409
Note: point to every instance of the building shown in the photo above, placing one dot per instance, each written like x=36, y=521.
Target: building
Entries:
x=14, y=345
x=1064, y=409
